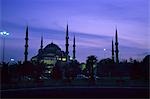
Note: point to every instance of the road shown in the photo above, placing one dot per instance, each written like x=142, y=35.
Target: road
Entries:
x=77, y=92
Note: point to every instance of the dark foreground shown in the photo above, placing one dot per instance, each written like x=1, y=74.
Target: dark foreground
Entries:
x=75, y=92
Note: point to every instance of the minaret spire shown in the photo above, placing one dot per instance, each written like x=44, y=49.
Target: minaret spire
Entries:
x=67, y=44
x=26, y=46
x=112, y=51
x=41, y=49
x=117, y=50
x=41, y=42
x=74, y=50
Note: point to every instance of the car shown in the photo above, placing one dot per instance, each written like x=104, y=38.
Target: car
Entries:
x=81, y=77
x=96, y=77
x=43, y=78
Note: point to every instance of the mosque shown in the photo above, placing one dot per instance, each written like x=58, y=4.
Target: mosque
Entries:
x=51, y=53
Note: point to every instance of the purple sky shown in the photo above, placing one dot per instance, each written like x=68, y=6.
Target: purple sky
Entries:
x=93, y=22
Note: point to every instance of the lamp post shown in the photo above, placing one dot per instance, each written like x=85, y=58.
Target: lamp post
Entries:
x=4, y=34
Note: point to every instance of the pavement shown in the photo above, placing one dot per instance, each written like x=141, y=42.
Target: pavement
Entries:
x=77, y=92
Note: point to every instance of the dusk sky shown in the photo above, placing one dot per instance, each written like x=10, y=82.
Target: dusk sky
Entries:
x=93, y=22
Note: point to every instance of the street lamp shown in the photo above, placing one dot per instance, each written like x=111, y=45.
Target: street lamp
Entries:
x=4, y=34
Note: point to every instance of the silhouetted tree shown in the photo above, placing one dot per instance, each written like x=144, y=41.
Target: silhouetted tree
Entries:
x=30, y=70
x=75, y=68
x=106, y=61
x=13, y=73
x=37, y=71
x=136, y=71
x=145, y=67
x=71, y=70
x=131, y=60
x=57, y=71
x=124, y=61
x=5, y=75
x=90, y=62
x=105, y=67
x=68, y=74
x=26, y=69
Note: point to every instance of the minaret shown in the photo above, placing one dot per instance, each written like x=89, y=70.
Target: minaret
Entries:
x=41, y=42
x=26, y=46
x=116, y=44
x=41, y=49
x=112, y=51
x=67, y=44
x=41, y=46
x=74, y=50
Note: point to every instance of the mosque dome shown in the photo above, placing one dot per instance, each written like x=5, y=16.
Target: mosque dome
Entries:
x=52, y=48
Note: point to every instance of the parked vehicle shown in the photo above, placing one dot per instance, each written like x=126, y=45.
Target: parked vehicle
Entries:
x=81, y=77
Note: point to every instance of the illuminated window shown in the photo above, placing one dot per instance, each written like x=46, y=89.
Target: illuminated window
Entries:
x=49, y=66
x=63, y=59
x=49, y=71
x=94, y=65
x=49, y=61
x=59, y=58
x=83, y=66
x=12, y=59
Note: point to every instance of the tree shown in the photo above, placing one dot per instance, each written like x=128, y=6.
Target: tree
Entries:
x=75, y=68
x=105, y=67
x=145, y=67
x=106, y=61
x=90, y=62
x=136, y=71
x=131, y=60
x=5, y=75
x=56, y=71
